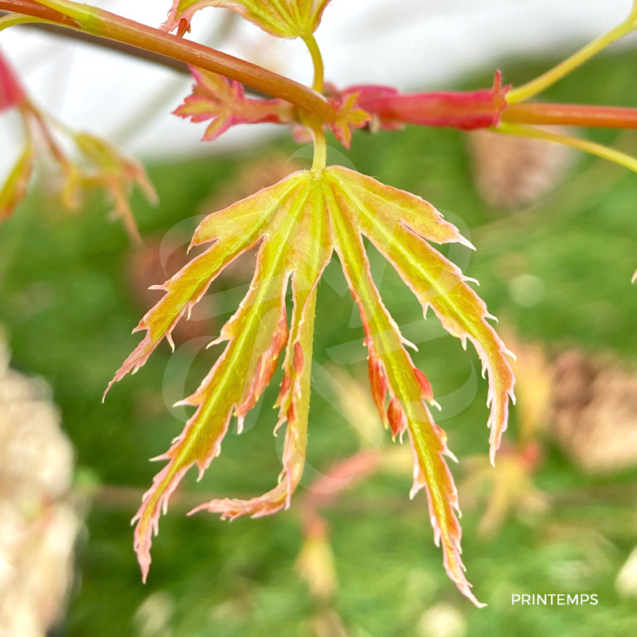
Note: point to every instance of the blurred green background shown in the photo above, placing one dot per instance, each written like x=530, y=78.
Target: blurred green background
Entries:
x=65, y=296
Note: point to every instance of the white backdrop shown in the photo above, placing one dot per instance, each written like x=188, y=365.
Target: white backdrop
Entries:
x=409, y=43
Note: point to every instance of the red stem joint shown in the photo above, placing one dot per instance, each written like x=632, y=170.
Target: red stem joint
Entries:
x=462, y=110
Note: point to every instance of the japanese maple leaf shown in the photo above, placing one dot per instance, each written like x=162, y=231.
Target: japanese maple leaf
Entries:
x=281, y=18
x=297, y=225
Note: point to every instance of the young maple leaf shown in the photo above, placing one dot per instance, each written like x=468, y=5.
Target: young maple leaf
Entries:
x=348, y=115
x=281, y=18
x=216, y=98
x=114, y=173
x=100, y=164
x=298, y=223
x=223, y=101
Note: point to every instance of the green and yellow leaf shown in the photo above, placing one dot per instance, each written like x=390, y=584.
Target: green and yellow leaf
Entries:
x=348, y=115
x=281, y=18
x=395, y=373
x=297, y=224
x=400, y=225
x=277, y=218
x=311, y=252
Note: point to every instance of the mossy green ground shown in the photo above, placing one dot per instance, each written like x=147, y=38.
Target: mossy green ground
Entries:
x=65, y=298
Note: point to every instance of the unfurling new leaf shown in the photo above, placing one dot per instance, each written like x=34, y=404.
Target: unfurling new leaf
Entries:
x=223, y=101
x=348, y=115
x=297, y=225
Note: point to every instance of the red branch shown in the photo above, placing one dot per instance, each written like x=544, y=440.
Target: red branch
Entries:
x=463, y=110
x=113, y=27
x=571, y=115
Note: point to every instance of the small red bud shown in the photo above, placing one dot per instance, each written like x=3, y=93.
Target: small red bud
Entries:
x=299, y=357
x=378, y=385
x=183, y=28
x=425, y=385
x=11, y=91
x=397, y=418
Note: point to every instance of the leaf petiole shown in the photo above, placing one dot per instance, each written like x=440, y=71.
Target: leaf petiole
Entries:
x=320, y=148
x=544, y=81
x=84, y=15
x=16, y=19
x=566, y=140
x=317, y=61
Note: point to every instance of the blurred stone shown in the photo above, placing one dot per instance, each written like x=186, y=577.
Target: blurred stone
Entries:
x=512, y=172
x=595, y=411
x=39, y=523
x=587, y=403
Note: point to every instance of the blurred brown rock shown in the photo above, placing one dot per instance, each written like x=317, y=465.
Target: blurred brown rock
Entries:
x=512, y=172
x=595, y=411
x=586, y=402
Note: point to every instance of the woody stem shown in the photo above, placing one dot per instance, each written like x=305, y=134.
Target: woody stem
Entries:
x=571, y=115
x=105, y=24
